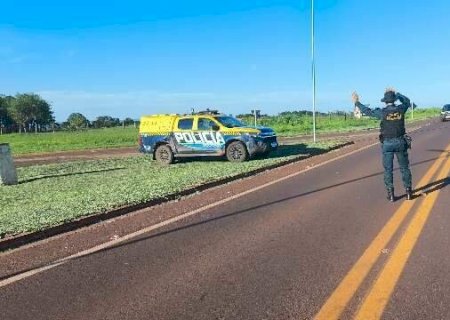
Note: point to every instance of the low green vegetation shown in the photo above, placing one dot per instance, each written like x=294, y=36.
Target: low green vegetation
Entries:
x=49, y=195
x=284, y=124
x=292, y=123
x=71, y=140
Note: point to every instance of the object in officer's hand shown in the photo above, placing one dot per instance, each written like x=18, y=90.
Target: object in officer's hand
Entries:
x=355, y=97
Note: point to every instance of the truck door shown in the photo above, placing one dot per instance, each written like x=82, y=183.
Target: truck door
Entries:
x=208, y=133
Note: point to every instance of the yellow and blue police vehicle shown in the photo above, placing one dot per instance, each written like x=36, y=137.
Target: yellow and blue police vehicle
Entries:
x=203, y=134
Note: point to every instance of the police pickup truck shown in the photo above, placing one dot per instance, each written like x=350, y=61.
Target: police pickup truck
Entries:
x=209, y=133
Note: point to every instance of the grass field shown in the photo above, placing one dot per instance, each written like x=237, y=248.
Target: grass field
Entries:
x=127, y=137
x=71, y=140
x=49, y=195
x=294, y=125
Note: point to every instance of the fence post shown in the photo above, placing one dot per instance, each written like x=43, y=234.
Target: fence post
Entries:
x=8, y=174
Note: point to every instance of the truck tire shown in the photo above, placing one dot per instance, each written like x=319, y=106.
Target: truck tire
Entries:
x=237, y=152
x=164, y=154
x=267, y=150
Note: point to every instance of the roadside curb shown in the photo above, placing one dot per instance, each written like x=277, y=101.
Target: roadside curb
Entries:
x=20, y=240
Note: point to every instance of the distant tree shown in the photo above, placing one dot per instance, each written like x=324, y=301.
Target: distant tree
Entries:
x=30, y=109
x=63, y=126
x=77, y=121
x=106, y=122
x=244, y=115
x=296, y=113
x=128, y=122
x=3, y=114
x=5, y=111
x=21, y=113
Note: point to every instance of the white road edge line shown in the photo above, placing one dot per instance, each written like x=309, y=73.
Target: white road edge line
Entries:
x=111, y=243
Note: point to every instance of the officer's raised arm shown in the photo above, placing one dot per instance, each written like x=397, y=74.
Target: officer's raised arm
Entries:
x=406, y=103
x=365, y=109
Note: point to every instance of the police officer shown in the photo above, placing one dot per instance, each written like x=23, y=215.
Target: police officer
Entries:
x=392, y=137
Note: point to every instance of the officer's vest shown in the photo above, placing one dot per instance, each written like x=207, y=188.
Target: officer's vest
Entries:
x=393, y=122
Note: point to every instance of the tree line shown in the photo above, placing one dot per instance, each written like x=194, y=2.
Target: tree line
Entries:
x=25, y=112
x=77, y=121
x=29, y=112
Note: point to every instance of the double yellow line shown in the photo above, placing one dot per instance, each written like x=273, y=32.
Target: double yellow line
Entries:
x=378, y=296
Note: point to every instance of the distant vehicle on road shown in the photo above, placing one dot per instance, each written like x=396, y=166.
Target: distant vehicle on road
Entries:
x=445, y=113
x=200, y=134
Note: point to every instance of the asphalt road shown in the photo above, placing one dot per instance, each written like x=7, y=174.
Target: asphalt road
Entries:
x=324, y=244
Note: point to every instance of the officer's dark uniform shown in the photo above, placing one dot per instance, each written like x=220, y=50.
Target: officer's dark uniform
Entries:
x=392, y=137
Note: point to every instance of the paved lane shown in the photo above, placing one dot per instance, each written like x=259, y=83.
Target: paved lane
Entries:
x=278, y=253
x=423, y=290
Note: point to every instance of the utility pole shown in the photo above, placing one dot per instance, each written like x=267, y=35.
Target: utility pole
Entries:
x=256, y=114
x=313, y=65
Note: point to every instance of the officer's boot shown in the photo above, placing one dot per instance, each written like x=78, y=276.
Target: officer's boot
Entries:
x=409, y=194
x=390, y=195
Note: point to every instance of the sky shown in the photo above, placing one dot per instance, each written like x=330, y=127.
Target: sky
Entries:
x=129, y=58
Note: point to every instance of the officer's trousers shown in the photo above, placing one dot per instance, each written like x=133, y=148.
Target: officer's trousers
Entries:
x=398, y=147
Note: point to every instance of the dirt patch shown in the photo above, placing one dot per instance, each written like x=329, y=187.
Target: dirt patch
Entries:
x=57, y=157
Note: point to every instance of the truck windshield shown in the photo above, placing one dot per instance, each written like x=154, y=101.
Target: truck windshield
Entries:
x=446, y=107
x=229, y=122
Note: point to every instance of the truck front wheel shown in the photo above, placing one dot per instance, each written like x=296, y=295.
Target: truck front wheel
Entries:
x=237, y=152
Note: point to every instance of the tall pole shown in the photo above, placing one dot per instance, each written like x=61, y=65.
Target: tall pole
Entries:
x=313, y=65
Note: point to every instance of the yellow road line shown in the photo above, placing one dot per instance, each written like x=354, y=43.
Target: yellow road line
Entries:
x=339, y=299
x=375, y=302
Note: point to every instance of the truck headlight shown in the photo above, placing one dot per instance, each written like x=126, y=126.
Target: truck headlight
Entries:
x=252, y=135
